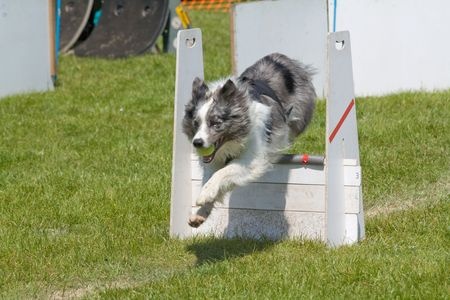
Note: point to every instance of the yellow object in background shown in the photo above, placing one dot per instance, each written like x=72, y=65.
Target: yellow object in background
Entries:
x=211, y=5
x=182, y=14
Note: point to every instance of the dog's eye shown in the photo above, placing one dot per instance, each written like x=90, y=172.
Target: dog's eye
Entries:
x=196, y=124
x=217, y=125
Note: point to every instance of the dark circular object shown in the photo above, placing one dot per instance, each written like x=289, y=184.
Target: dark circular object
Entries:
x=74, y=18
x=125, y=28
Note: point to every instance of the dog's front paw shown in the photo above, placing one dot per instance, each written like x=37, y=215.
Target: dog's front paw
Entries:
x=201, y=201
x=206, y=196
x=196, y=220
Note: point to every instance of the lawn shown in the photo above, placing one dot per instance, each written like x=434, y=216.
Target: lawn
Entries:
x=85, y=191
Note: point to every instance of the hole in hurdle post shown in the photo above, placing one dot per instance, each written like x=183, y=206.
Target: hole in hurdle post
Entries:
x=340, y=45
x=190, y=43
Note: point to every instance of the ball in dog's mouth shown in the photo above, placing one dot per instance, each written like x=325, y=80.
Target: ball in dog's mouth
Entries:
x=207, y=153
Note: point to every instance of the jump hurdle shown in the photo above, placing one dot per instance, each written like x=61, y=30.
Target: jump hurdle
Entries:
x=303, y=196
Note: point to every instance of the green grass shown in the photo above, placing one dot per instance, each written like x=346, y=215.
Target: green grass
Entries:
x=85, y=188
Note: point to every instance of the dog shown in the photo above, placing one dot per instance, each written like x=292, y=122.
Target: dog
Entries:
x=245, y=123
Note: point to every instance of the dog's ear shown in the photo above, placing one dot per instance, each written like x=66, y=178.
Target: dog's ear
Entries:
x=228, y=90
x=199, y=89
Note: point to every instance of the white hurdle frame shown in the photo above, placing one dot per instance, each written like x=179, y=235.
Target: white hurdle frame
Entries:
x=321, y=200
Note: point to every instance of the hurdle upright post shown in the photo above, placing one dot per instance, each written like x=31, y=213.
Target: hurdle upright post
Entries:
x=342, y=148
x=189, y=65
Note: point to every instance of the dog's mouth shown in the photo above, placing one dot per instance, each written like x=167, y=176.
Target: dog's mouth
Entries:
x=209, y=158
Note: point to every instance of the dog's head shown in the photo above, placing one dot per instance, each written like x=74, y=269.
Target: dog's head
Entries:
x=214, y=118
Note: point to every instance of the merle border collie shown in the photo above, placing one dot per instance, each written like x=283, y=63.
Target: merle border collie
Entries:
x=245, y=123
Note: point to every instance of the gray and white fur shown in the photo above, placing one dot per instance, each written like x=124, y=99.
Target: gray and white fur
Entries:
x=250, y=120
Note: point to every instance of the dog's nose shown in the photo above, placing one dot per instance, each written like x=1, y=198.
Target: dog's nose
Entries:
x=198, y=143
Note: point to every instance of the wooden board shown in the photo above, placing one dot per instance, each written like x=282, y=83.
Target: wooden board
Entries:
x=274, y=225
x=281, y=174
x=259, y=224
x=288, y=197
x=296, y=174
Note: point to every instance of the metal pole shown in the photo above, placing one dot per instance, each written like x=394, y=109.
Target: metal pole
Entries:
x=174, y=24
x=302, y=159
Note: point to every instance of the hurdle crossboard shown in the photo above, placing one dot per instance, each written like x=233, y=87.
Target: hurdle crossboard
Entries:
x=317, y=198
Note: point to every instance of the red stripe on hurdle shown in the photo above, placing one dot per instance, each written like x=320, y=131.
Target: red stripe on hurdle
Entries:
x=341, y=121
x=305, y=159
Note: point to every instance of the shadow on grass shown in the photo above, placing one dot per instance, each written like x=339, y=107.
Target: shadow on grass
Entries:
x=212, y=250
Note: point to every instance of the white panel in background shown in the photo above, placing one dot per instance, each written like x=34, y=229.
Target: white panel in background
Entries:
x=296, y=28
x=397, y=45
x=24, y=47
